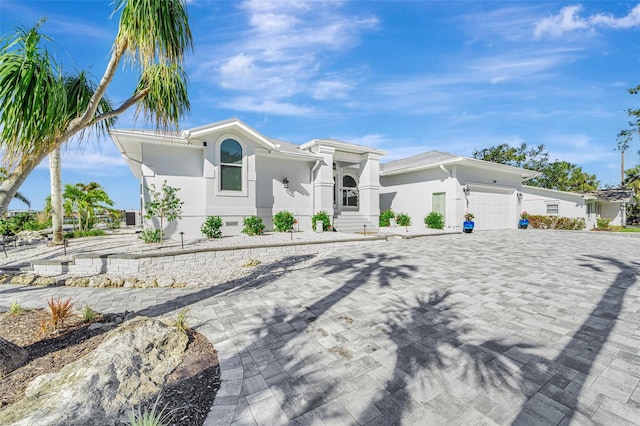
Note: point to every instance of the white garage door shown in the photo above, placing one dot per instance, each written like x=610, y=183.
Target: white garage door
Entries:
x=492, y=209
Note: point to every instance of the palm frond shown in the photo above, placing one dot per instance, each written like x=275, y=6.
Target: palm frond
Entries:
x=167, y=100
x=154, y=30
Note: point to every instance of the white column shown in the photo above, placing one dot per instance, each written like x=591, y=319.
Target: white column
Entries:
x=323, y=182
x=369, y=187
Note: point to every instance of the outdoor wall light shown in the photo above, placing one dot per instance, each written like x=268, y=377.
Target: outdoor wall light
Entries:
x=519, y=196
x=285, y=182
x=466, y=190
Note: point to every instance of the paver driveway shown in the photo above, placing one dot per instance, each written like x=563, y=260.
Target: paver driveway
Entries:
x=508, y=327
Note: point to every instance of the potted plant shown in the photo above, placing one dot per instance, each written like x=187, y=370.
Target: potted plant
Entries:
x=467, y=226
x=523, y=223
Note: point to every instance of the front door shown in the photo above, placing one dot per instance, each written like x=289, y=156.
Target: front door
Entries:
x=349, y=193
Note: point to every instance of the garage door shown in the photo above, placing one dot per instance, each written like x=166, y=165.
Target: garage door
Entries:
x=492, y=209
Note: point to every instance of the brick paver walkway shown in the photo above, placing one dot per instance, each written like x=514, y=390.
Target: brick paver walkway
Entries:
x=508, y=327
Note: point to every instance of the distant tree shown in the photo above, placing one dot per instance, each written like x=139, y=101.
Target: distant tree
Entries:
x=558, y=175
x=627, y=135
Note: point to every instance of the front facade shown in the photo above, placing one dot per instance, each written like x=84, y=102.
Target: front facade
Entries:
x=231, y=170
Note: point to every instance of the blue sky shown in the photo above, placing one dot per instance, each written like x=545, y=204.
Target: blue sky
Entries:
x=403, y=76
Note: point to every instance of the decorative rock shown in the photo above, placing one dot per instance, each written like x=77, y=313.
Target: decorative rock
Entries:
x=12, y=357
x=95, y=326
x=26, y=279
x=45, y=281
x=118, y=320
x=165, y=281
x=99, y=281
x=77, y=282
x=128, y=367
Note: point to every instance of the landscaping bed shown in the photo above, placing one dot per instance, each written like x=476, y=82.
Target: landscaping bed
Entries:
x=188, y=392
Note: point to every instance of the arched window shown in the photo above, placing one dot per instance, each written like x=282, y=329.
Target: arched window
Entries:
x=230, y=165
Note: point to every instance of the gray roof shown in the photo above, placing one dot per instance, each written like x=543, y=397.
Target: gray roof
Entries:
x=612, y=195
x=437, y=158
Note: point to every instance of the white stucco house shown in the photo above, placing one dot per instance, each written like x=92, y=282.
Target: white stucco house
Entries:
x=231, y=170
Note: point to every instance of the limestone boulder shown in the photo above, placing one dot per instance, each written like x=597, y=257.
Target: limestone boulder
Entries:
x=130, y=366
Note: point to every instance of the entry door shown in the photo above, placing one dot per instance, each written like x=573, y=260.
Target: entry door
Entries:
x=349, y=193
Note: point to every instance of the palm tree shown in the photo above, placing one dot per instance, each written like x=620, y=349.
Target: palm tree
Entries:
x=35, y=107
x=153, y=34
x=85, y=201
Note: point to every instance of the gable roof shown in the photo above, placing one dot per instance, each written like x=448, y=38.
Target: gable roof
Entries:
x=432, y=159
x=612, y=195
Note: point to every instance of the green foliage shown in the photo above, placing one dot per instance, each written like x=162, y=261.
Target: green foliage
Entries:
x=434, y=220
x=150, y=235
x=211, y=227
x=153, y=417
x=283, y=221
x=403, y=219
x=321, y=216
x=180, y=322
x=556, y=222
x=385, y=216
x=468, y=217
x=626, y=136
x=83, y=234
x=87, y=313
x=114, y=221
x=20, y=222
x=163, y=204
x=558, y=175
x=602, y=223
x=15, y=308
x=84, y=202
x=253, y=225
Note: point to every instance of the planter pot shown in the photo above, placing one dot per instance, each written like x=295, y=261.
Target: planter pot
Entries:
x=467, y=227
x=392, y=223
x=523, y=223
x=319, y=226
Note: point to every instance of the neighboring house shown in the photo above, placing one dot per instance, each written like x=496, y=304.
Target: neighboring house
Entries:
x=231, y=170
x=602, y=204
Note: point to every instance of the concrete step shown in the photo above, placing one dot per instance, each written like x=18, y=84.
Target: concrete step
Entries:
x=353, y=223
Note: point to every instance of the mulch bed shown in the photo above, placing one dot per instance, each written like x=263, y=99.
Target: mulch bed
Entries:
x=188, y=393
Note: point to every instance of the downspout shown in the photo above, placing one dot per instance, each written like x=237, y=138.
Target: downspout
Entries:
x=445, y=170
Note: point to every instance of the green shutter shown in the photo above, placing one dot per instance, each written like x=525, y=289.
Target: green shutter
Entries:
x=439, y=203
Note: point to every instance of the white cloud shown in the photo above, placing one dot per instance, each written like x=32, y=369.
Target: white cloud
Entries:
x=569, y=19
x=267, y=106
x=286, y=53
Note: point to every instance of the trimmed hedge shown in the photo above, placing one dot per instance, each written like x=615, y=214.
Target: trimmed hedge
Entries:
x=556, y=222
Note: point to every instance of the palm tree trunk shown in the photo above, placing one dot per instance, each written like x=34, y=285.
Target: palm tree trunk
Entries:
x=57, y=214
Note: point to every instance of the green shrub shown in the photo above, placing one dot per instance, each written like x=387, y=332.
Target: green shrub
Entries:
x=81, y=234
x=211, y=227
x=180, y=323
x=556, y=222
x=603, y=223
x=20, y=222
x=88, y=314
x=321, y=216
x=253, y=225
x=150, y=235
x=283, y=221
x=403, y=219
x=385, y=216
x=15, y=308
x=434, y=220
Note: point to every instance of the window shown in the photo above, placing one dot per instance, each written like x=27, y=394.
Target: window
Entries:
x=552, y=209
x=349, y=191
x=593, y=208
x=230, y=166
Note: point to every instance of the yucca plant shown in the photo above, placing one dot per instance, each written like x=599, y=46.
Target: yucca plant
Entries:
x=181, y=320
x=15, y=308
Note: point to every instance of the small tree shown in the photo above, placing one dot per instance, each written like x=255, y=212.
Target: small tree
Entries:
x=164, y=204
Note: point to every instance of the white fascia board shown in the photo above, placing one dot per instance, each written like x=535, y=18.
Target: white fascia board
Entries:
x=343, y=146
x=487, y=165
x=155, y=139
x=419, y=167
